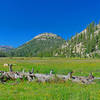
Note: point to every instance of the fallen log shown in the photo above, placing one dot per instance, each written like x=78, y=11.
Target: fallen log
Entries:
x=5, y=76
x=65, y=77
x=31, y=76
x=83, y=79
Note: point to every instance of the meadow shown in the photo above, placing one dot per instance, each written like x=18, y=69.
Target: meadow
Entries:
x=24, y=90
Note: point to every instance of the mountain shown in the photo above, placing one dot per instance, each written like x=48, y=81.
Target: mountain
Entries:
x=5, y=48
x=83, y=44
x=42, y=45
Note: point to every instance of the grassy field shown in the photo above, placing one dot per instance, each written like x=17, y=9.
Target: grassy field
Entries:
x=25, y=90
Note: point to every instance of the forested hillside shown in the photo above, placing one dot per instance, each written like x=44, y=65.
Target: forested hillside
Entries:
x=84, y=44
x=42, y=45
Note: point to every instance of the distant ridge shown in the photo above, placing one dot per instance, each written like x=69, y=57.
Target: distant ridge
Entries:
x=5, y=48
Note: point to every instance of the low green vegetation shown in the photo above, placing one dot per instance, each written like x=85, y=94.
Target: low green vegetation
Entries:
x=24, y=90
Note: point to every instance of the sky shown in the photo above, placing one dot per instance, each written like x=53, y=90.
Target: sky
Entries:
x=21, y=20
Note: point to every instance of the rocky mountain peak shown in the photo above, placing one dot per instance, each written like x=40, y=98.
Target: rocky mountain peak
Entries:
x=45, y=36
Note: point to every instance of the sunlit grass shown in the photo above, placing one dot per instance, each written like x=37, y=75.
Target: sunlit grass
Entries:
x=23, y=90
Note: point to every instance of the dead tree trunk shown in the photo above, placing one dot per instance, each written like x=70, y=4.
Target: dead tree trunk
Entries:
x=32, y=70
x=10, y=68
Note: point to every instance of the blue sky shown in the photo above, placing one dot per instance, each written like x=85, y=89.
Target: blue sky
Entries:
x=21, y=20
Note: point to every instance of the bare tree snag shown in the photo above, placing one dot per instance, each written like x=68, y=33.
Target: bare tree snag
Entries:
x=23, y=71
x=51, y=72
x=32, y=70
x=10, y=68
x=91, y=76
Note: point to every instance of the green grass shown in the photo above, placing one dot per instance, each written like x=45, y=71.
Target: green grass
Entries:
x=23, y=90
